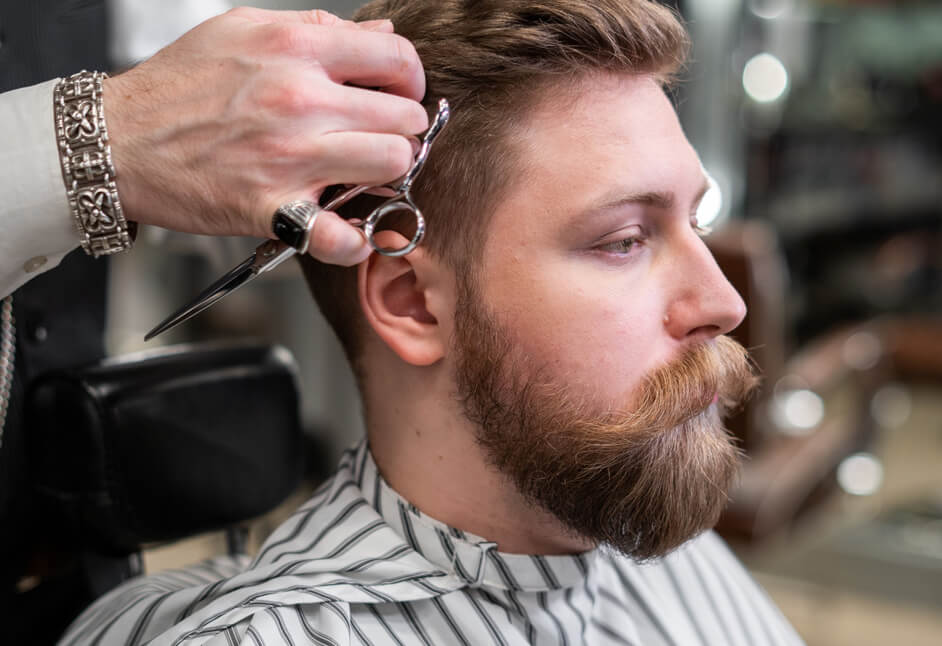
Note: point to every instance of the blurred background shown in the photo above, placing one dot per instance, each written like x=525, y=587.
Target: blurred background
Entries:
x=821, y=123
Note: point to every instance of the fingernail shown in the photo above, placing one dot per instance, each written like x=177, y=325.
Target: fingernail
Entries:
x=377, y=25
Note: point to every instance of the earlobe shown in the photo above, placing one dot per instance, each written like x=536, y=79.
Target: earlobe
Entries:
x=393, y=297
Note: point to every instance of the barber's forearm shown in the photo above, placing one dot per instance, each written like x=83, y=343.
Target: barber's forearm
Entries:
x=36, y=229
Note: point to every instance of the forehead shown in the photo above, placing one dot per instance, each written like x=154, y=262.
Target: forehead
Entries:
x=582, y=142
x=614, y=127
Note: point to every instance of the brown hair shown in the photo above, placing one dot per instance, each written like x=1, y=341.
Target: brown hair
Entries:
x=492, y=60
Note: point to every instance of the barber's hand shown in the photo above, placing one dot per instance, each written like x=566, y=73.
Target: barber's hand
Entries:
x=251, y=110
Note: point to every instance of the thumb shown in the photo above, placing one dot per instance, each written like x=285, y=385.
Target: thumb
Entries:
x=337, y=242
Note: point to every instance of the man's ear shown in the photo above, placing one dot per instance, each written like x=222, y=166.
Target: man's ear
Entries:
x=396, y=297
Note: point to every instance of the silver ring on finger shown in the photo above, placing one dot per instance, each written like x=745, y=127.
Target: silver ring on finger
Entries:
x=293, y=223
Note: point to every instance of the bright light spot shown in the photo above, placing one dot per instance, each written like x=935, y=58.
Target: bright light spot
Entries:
x=891, y=406
x=711, y=205
x=765, y=78
x=860, y=474
x=862, y=350
x=798, y=411
x=770, y=9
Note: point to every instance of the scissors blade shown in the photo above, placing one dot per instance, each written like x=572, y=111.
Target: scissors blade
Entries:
x=236, y=277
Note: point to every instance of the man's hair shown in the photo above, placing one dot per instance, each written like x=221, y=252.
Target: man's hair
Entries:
x=493, y=60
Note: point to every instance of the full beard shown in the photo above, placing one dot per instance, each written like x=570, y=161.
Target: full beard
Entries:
x=642, y=482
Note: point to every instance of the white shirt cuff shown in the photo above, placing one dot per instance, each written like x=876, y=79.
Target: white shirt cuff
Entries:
x=36, y=226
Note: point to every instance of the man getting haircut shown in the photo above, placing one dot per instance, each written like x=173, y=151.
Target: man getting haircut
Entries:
x=543, y=379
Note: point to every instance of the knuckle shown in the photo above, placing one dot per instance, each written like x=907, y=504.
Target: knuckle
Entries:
x=288, y=38
x=290, y=96
x=404, y=57
x=321, y=17
x=271, y=147
x=239, y=12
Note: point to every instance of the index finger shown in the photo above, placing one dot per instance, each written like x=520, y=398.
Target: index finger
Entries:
x=371, y=59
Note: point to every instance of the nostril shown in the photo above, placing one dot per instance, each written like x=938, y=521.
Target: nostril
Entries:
x=704, y=333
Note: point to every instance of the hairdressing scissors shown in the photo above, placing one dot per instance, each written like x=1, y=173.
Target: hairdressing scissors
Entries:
x=294, y=222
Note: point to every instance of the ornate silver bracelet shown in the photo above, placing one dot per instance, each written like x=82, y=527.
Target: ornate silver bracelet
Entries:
x=87, y=168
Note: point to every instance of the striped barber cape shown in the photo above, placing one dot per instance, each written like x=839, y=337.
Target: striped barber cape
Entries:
x=357, y=564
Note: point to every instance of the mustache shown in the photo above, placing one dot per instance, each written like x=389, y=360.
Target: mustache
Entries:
x=684, y=388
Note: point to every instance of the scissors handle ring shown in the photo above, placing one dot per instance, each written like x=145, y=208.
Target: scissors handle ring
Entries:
x=402, y=203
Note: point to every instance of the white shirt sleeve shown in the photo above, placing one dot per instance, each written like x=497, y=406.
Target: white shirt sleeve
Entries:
x=36, y=228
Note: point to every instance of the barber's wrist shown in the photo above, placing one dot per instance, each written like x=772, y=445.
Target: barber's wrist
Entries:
x=119, y=96
x=88, y=169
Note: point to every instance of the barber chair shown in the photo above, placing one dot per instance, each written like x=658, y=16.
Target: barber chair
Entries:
x=151, y=448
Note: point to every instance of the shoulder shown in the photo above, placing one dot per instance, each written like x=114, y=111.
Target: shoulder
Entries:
x=145, y=606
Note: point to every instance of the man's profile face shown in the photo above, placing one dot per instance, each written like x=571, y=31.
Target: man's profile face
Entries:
x=592, y=280
x=588, y=290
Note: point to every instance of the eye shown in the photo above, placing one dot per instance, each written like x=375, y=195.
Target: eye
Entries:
x=624, y=246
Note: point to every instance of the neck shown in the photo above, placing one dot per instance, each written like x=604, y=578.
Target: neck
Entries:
x=425, y=448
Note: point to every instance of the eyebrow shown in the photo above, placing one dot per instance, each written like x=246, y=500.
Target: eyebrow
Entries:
x=664, y=200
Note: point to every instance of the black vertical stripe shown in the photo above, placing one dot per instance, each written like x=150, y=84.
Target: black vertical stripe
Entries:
x=359, y=631
x=644, y=605
x=711, y=595
x=251, y=632
x=378, y=494
x=361, y=465
x=407, y=527
x=576, y=612
x=437, y=602
x=450, y=551
x=486, y=618
x=313, y=634
x=740, y=612
x=546, y=572
x=276, y=616
x=382, y=622
x=141, y=624
x=528, y=625
x=730, y=594
x=505, y=574
x=691, y=615
x=631, y=615
x=417, y=628
x=542, y=601
x=581, y=564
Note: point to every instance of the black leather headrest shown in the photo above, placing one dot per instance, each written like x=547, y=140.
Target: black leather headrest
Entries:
x=165, y=444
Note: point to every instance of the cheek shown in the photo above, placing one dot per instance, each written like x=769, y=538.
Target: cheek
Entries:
x=588, y=337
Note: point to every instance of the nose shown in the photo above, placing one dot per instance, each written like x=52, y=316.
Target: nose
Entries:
x=703, y=303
